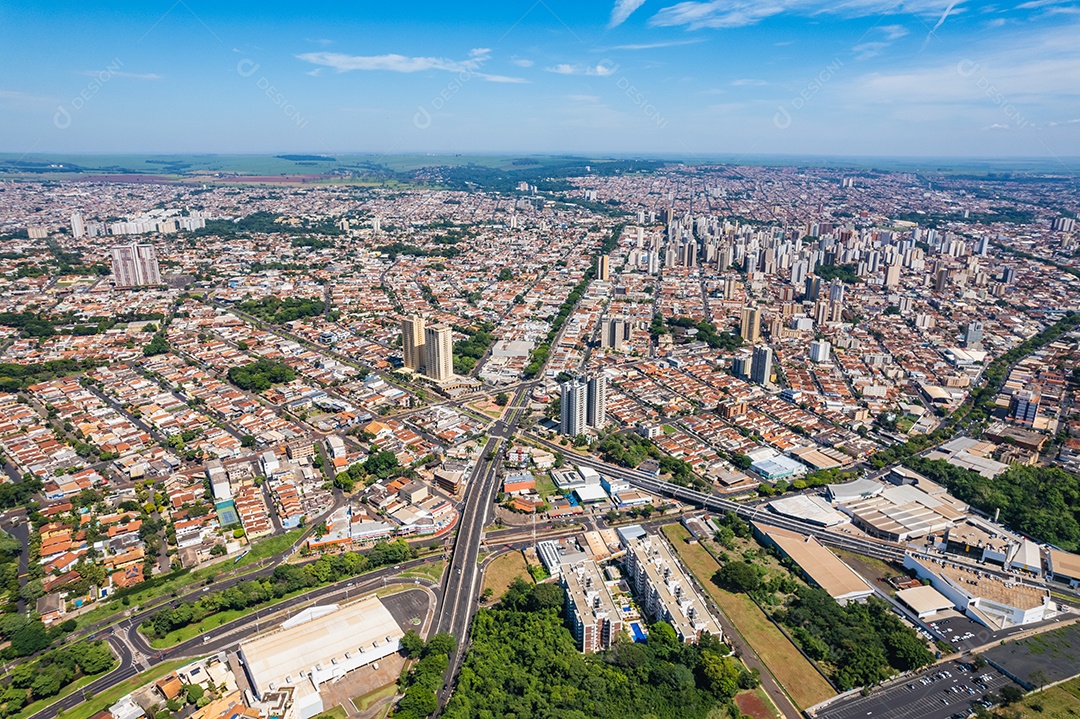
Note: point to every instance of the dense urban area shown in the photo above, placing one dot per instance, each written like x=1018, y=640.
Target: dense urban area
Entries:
x=542, y=437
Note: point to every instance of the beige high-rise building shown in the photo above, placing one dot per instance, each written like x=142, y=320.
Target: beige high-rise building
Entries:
x=603, y=268
x=412, y=342
x=892, y=275
x=438, y=352
x=750, y=324
x=135, y=265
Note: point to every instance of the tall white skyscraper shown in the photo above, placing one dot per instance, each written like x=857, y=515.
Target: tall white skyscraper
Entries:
x=596, y=402
x=572, y=408
x=135, y=265
x=78, y=227
x=438, y=352
x=412, y=342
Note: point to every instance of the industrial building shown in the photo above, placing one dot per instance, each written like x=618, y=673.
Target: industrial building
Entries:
x=319, y=645
x=817, y=563
x=665, y=591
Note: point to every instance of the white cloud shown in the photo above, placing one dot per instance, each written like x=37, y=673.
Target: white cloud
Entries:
x=406, y=64
x=320, y=41
x=748, y=82
x=893, y=32
x=118, y=73
x=656, y=45
x=522, y=61
x=599, y=70
x=696, y=14
x=622, y=10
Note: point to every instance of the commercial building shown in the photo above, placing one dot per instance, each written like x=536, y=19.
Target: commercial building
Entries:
x=412, y=342
x=993, y=602
x=820, y=566
x=594, y=615
x=1024, y=407
x=1063, y=567
x=135, y=265
x=319, y=645
x=438, y=352
x=664, y=589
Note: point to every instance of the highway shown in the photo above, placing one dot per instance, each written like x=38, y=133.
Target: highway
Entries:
x=462, y=578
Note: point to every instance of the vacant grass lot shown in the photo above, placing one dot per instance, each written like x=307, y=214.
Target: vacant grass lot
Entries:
x=502, y=572
x=802, y=681
x=1060, y=702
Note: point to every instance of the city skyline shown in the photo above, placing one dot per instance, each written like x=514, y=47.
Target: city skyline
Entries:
x=688, y=79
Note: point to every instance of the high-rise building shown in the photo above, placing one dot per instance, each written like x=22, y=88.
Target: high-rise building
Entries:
x=438, y=352
x=973, y=333
x=819, y=351
x=750, y=324
x=941, y=280
x=892, y=275
x=572, y=408
x=603, y=268
x=614, y=331
x=813, y=288
x=135, y=265
x=412, y=342
x=78, y=227
x=596, y=402
x=1024, y=407
x=740, y=365
x=761, y=365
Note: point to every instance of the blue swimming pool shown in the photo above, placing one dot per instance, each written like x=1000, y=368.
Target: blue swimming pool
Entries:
x=636, y=630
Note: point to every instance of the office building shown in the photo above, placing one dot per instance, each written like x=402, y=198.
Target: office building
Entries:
x=761, y=365
x=572, y=408
x=438, y=352
x=819, y=351
x=1024, y=407
x=135, y=265
x=973, y=334
x=813, y=288
x=603, y=268
x=594, y=615
x=664, y=591
x=596, y=402
x=750, y=324
x=78, y=227
x=412, y=342
x=614, y=331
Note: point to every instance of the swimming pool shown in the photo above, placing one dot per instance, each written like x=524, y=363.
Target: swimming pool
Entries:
x=638, y=632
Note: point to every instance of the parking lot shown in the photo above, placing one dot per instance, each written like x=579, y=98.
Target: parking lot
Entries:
x=941, y=692
x=957, y=628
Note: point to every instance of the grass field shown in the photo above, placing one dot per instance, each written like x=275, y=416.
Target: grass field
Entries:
x=502, y=572
x=365, y=702
x=1059, y=702
x=337, y=712
x=873, y=569
x=545, y=487
x=756, y=703
x=802, y=681
x=432, y=571
x=270, y=546
x=109, y=697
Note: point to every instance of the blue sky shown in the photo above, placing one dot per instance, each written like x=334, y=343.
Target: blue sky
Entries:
x=694, y=78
